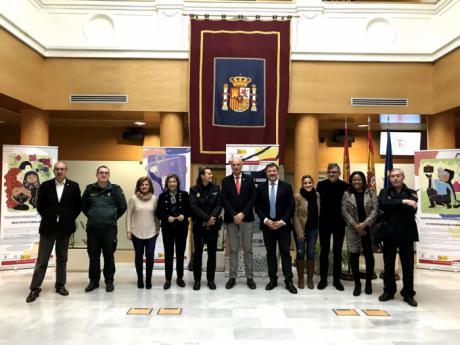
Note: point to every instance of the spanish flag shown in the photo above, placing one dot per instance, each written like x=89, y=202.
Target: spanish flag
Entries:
x=346, y=156
x=370, y=158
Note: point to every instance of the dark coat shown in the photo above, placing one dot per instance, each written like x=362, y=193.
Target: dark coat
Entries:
x=398, y=219
x=235, y=203
x=50, y=208
x=205, y=202
x=103, y=206
x=285, y=204
x=165, y=209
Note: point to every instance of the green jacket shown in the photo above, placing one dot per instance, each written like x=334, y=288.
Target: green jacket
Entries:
x=103, y=206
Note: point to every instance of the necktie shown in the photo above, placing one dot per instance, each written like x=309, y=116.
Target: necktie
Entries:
x=237, y=183
x=272, y=201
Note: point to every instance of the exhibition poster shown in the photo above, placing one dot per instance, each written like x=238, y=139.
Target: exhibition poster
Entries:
x=437, y=179
x=24, y=168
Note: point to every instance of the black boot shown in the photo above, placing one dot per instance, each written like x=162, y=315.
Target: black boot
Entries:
x=354, y=261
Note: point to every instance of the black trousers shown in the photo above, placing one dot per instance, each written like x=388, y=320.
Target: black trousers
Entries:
x=325, y=244
x=200, y=237
x=175, y=235
x=105, y=240
x=406, y=255
x=142, y=246
x=366, y=243
x=282, y=237
x=45, y=247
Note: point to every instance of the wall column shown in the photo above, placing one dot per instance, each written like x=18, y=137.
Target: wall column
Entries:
x=441, y=131
x=305, y=148
x=171, y=129
x=34, y=127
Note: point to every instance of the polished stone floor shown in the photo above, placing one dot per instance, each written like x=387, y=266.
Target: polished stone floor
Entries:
x=238, y=316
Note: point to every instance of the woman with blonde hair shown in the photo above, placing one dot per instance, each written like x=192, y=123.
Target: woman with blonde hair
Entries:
x=306, y=229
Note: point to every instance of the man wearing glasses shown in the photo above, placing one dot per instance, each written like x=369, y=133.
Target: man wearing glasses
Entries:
x=102, y=203
x=399, y=205
x=59, y=205
x=331, y=223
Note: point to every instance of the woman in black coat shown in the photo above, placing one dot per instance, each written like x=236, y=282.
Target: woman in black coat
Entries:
x=173, y=210
x=206, y=207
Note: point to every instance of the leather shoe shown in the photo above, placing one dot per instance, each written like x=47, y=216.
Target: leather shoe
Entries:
x=91, y=286
x=33, y=295
x=273, y=283
x=231, y=283
x=109, y=287
x=180, y=282
x=338, y=285
x=322, y=284
x=212, y=285
x=386, y=296
x=196, y=285
x=411, y=301
x=290, y=287
x=167, y=285
x=62, y=290
x=251, y=284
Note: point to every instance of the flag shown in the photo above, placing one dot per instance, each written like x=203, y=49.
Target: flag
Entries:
x=388, y=161
x=239, y=85
x=346, y=156
x=370, y=157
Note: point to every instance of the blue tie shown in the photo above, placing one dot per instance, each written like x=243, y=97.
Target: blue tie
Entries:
x=272, y=201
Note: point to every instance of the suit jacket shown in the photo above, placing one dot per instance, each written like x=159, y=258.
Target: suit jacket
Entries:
x=50, y=208
x=285, y=204
x=235, y=203
x=165, y=209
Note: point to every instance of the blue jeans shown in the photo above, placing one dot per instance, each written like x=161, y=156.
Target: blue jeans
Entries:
x=307, y=245
x=146, y=246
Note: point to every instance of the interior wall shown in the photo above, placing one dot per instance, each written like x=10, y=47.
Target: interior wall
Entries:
x=447, y=82
x=21, y=71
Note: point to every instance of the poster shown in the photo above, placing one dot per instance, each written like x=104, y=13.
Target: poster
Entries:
x=437, y=179
x=159, y=163
x=24, y=168
x=255, y=158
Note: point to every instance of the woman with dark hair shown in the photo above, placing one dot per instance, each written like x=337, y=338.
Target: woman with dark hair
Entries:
x=359, y=210
x=143, y=228
x=306, y=229
x=173, y=210
x=206, y=207
x=32, y=182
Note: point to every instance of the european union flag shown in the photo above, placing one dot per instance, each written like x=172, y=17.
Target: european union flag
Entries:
x=388, y=162
x=239, y=92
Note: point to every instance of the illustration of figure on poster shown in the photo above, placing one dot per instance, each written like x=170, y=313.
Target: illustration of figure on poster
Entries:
x=22, y=181
x=441, y=187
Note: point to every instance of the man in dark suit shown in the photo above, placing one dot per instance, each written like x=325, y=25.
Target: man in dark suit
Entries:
x=238, y=197
x=275, y=206
x=59, y=204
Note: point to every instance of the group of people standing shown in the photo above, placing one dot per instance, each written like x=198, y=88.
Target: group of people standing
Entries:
x=333, y=208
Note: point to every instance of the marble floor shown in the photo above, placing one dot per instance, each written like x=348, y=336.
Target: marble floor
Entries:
x=238, y=316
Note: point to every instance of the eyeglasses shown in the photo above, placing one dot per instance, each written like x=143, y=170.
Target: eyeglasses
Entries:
x=332, y=172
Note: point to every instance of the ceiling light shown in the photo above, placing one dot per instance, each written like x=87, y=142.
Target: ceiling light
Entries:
x=140, y=123
x=362, y=126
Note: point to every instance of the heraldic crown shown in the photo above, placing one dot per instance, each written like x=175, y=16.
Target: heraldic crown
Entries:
x=240, y=81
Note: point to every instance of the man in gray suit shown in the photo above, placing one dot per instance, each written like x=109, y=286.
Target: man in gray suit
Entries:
x=238, y=198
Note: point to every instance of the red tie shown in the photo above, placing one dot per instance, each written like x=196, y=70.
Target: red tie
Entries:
x=237, y=183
